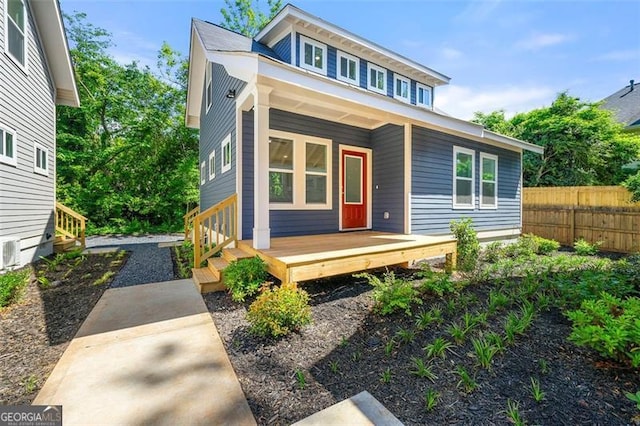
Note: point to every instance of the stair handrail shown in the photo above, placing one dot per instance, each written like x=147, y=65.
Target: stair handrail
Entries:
x=214, y=229
x=71, y=223
x=188, y=221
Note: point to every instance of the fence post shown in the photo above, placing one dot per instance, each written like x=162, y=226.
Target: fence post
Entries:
x=572, y=225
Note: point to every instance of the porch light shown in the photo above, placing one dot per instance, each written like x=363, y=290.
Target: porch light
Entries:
x=231, y=94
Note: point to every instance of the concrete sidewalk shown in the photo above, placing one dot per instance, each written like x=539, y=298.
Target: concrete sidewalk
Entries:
x=147, y=354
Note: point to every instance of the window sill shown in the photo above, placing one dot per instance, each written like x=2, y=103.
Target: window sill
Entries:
x=463, y=207
x=488, y=207
x=283, y=206
x=41, y=172
x=376, y=90
x=9, y=161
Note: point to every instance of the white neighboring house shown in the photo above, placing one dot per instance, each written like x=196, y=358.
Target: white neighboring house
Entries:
x=36, y=74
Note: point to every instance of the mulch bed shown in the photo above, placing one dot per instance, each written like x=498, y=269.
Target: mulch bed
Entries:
x=36, y=330
x=580, y=387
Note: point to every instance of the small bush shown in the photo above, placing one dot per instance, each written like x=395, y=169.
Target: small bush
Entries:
x=609, y=325
x=572, y=288
x=493, y=252
x=438, y=283
x=468, y=245
x=584, y=248
x=11, y=285
x=277, y=312
x=244, y=277
x=184, y=258
x=391, y=293
x=544, y=245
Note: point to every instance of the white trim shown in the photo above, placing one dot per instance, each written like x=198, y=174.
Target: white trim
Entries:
x=408, y=141
x=460, y=150
x=212, y=165
x=315, y=45
x=299, y=172
x=25, y=35
x=208, y=86
x=5, y=159
x=226, y=144
x=39, y=169
x=369, y=153
x=429, y=90
x=339, y=56
x=378, y=69
x=493, y=206
x=509, y=232
x=402, y=79
x=203, y=175
x=239, y=168
x=294, y=49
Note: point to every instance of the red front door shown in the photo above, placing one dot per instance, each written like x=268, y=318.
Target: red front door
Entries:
x=353, y=200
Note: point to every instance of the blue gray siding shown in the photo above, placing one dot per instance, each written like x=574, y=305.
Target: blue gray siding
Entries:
x=388, y=178
x=364, y=77
x=332, y=62
x=215, y=125
x=247, y=175
x=283, y=48
x=432, y=185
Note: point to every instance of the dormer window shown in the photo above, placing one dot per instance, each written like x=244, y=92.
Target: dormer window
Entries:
x=313, y=55
x=423, y=96
x=377, y=79
x=402, y=88
x=348, y=68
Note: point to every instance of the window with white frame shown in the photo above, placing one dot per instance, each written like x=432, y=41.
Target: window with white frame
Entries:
x=423, y=95
x=488, y=181
x=8, y=153
x=463, y=176
x=313, y=55
x=203, y=171
x=402, y=88
x=40, y=159
x=212, y=165
x=16, y=21
x=299, y=172
x=348, y=68
x=226, y=154
x=209, y=86
x=377, y=79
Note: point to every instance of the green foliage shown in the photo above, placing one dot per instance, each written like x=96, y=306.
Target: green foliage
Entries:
x=493, y=251
x=468, y=245
x=467, y=381
x=437, y=348
x=390, y=293
x=632, y=183
x=584, y=248
x=244, y=277
x=484, y=352
x=184, y=258
x=277, y=312
x=571, y=288
x=544, y=245
x=536, y=391
x=609, y=325
x=438, y=283
x=431, y=398
x=635, y=397
x=386, y=375
x=244, y=16
x=301, y=379
x=513, y=413
x=405, y=336
x=12, y=284
x=423, y=370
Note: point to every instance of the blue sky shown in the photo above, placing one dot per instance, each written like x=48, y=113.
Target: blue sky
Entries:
x=500, y=54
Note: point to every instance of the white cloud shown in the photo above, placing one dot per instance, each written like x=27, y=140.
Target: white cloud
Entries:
x=462, y=101
x=619, y=55
x=539, y=41
x=478, y=10
x=450, y=53
x=129, y=47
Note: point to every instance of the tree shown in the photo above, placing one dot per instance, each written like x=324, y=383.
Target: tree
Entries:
x=584, y=145
x=245, y=16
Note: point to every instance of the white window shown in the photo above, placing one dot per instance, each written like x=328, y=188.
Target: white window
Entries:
x=226, y=154
x=8, y=145
x=348, y=68
x=203, y=171
x=402, y=88
x=209, y=87
x=212, y=165
x=16, y=21
x=488, y=181
x=423, y=95
x=40, y=160
x=377, y=79
x=299, y=172
x=313, y=55
x=463, y=177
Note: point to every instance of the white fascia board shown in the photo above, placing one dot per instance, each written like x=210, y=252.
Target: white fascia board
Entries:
x=513, y=141
x=195, y=80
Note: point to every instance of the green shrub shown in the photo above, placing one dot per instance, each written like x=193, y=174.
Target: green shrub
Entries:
x=11, y=285
x=493, y=251
x=184, y=258
x=468, y=245
x=573, y=287
x=609, y=325
x=277, y=312
x=544, y=245
x=633, y=185
x=244, y=277
x=391, y=293
x=584, y=248
x=437, y=283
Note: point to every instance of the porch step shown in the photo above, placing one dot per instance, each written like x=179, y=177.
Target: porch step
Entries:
x=63, y=244
x=231, y=254
x=206, y=281
x=216, y=266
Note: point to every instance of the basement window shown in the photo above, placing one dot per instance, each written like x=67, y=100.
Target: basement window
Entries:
x=7, y=146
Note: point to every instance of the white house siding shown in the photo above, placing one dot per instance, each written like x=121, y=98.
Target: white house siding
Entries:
x=27, y=199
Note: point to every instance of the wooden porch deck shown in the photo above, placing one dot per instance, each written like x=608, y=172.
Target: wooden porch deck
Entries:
x=295, y=259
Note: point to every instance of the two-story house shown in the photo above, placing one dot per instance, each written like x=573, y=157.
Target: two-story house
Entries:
x=36, y=74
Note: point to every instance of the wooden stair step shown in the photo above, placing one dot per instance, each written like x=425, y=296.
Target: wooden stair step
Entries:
x=217, y=265
x=231, y=254
x=205, y=280
x=63, y=244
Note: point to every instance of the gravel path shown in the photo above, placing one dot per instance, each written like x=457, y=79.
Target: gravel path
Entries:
x=148, y=263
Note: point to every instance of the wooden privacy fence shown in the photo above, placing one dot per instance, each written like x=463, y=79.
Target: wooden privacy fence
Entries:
x=597, y=214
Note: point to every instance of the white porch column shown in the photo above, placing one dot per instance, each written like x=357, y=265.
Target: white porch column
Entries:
x=408, y=138
x=261, y=230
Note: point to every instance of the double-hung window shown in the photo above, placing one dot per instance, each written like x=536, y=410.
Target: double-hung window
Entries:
x=313, y=55
x=299, y=172
x=463, y=177
x=348, y=68
x=40, y=160
x=203, y=171
x=377, y=79
x=16, y=22
x=226, y=154
x=423, y=95
x=212, y=165
x=7, y=146
x=488, y=181
x=209, y=86
x=402, y=89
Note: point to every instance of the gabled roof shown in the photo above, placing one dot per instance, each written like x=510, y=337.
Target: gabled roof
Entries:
x=219, y=39
x=50, y=27
x=625, y=105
